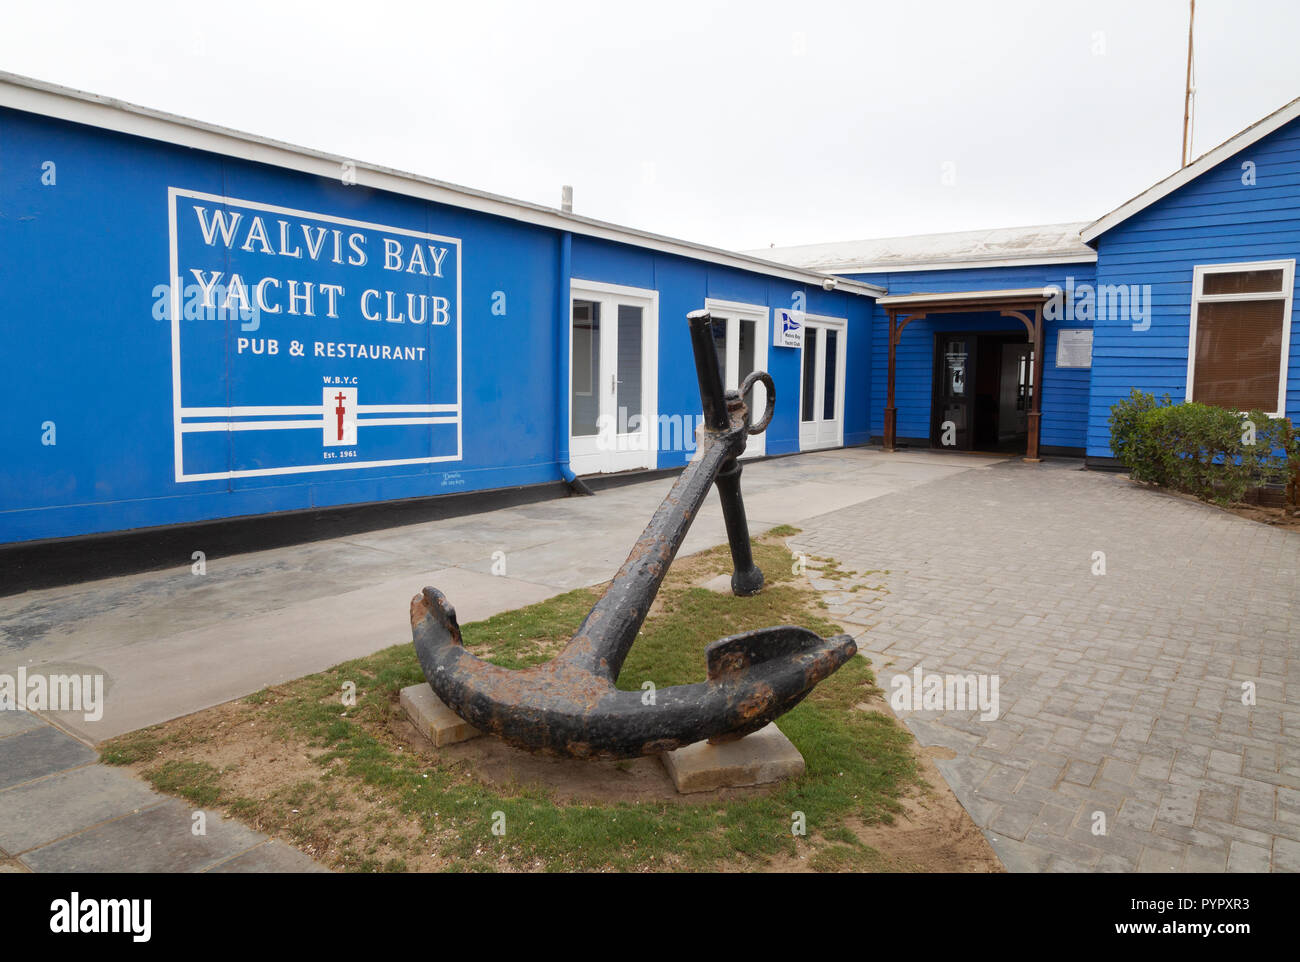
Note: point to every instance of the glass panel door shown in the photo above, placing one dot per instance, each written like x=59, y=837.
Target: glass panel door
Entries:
x=584, y=397
x=821, y=405
x=740, y=335
x=952, y=419
x=611, y=378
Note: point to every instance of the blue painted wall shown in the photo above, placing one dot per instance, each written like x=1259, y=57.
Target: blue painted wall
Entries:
x=1065, y=390
x=81, y=261
x=683, y=285
x=1214, y=219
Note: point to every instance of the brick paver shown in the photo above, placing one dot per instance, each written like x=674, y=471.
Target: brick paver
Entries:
x=1121, y=693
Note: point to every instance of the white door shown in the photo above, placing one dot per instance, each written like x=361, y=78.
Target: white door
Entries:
x=613, y=373
x=740, y=332
x=821, y=389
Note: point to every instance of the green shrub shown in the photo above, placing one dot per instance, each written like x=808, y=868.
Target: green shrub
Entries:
x=1211, y=452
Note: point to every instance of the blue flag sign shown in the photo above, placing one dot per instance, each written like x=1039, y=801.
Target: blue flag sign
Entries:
x=304, y=342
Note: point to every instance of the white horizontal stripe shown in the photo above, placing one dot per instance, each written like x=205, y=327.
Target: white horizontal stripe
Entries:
x=315, y=410
x=244, y=412
x=250, y=425
x=405, y=408
x=312, y=424
x=303, y=469
x=370, y=422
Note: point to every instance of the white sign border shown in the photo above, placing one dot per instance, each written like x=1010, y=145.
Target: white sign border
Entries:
x=174, y=258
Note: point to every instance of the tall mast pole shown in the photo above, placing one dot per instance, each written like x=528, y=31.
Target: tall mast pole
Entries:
x=1187, y=92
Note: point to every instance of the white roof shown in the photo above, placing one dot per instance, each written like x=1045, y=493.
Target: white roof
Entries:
x=999, y=247
x=1256, y=131
x=64, y=103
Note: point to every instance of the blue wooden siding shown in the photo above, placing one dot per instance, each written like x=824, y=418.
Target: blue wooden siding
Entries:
x=1214, y=219
x=683, y=284
x=1065, y=390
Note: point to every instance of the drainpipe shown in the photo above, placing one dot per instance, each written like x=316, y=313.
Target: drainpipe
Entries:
x=563, y=319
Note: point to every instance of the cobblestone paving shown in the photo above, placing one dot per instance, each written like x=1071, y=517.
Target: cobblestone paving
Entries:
x=1120, y=693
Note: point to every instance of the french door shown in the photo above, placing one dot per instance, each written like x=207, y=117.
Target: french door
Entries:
x=821, y=389
x=740, y=332
x=613, y=373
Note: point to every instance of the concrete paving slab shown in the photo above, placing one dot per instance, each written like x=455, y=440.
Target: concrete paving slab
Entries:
x=269, y=857
x=39, y=812
x=38, y=752
x=432, y=718
x=12, y=722
x=757, y=759
x=809, y=499
x=221, y=661
x=158, y=839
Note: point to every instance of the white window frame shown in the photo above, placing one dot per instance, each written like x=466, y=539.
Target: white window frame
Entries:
x=841, y=324
x=1199, y=273
x=762, y=317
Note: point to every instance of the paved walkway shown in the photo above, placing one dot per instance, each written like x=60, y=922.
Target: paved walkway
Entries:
x=1120, y=693
x=61, y=811
x=172, y=642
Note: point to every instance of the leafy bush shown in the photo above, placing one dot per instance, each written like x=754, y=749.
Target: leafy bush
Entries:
x=1208, y=451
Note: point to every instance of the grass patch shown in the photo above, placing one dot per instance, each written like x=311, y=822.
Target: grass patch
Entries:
x=367, y=801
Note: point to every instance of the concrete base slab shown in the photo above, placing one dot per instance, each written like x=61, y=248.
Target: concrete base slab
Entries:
x=757, y=759
x=721, y=584
x=435, y=721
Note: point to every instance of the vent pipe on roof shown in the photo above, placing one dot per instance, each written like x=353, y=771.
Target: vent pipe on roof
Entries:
x=566, y=199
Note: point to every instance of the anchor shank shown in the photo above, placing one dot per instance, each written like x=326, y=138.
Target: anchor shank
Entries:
x=607, y=633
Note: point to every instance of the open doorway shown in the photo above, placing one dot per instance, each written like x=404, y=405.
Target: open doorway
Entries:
x=982, y=391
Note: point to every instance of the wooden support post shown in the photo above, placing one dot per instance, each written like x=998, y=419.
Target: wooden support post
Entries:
x=1034, y=328
x=891, y=415
x=1036, y=410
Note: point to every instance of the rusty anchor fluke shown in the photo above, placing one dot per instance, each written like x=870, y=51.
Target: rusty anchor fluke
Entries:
x=569, y=705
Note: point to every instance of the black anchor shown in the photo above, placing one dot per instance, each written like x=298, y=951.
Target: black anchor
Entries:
x=569, y=705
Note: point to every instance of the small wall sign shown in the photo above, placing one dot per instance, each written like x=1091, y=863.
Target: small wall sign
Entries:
x=787, y=328
x=1074, y=348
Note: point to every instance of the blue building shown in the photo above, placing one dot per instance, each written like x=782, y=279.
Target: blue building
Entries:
x=208, y=325
x=1184, y=290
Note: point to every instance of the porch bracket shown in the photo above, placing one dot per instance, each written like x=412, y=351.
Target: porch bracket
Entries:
x=1035, y=328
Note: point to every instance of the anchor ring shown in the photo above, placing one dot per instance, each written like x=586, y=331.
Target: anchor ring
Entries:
x=748, y=383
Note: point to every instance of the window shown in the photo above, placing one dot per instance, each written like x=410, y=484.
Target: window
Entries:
x=1240, y=335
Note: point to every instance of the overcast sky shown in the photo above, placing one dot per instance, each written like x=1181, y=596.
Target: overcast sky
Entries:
x=735, y=124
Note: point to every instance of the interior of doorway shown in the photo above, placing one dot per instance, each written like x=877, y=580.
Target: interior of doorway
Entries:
x=982, y=391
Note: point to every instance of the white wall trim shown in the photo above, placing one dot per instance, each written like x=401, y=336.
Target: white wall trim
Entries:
x=1256, y=131
x=64, y=103
x=1287, y=266
x=964, y=265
